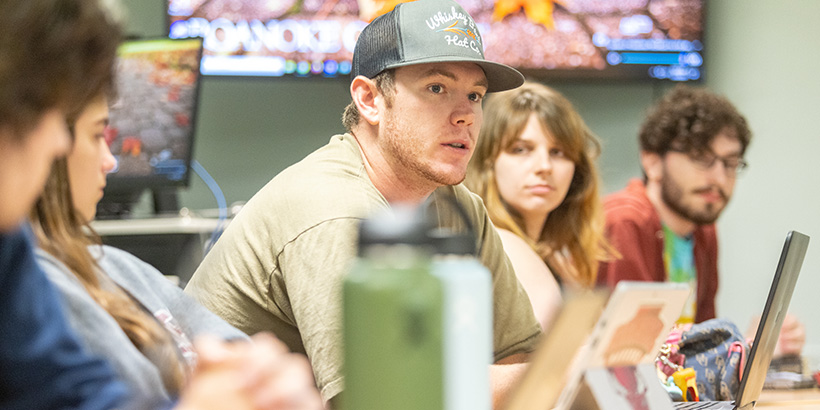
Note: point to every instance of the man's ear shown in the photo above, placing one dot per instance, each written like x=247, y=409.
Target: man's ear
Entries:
x=652, y=164
x=367, y=98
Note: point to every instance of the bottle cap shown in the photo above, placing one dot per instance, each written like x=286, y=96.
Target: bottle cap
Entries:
x=449, y=242
x=401, y=225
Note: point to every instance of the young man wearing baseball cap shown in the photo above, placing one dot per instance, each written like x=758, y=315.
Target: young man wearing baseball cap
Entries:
x=419, y=76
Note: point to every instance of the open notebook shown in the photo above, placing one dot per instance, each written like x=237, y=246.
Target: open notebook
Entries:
x=777, y=305
x=629, y=332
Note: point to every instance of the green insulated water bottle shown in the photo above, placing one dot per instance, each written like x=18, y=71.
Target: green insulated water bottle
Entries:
x=393, y=318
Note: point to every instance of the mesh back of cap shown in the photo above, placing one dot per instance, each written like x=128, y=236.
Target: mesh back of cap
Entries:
x=377, y=47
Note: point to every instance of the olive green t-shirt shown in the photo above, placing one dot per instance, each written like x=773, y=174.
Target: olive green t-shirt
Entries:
x=280, y=264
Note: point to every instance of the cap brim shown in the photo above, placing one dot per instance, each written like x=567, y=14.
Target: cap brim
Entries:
x=500, y=77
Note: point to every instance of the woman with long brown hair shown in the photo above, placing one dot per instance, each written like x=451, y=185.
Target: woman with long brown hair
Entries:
x=123, y=309
x=534, y=166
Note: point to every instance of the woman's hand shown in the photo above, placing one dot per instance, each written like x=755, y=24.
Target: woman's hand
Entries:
x=260, y=375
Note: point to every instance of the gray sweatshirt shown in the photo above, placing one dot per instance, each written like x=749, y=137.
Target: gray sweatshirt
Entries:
x=182, y=316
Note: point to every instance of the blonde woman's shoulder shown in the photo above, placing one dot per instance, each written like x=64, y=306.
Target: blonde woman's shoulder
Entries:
x=535, y=277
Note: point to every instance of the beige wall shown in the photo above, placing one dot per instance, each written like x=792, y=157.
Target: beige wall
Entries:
x=764, y=57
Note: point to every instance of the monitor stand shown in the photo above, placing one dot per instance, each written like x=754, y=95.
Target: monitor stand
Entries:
x=117, y=204
x=120, y=204
x=166, y=201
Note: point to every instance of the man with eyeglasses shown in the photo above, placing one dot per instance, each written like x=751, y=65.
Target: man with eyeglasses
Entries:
x=692, y=145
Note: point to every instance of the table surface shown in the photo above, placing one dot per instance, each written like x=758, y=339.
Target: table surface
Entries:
x=802, y=399
x=155, y=226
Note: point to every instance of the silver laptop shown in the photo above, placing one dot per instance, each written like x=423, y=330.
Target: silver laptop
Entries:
x=627, y=337
x=760, y=355
x=550, y=363
x=585, y=334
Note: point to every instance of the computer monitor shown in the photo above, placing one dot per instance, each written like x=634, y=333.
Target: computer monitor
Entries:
x=152, y=119
x=610, y=40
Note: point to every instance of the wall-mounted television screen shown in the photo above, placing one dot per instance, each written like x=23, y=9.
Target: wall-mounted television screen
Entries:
x=572, y=39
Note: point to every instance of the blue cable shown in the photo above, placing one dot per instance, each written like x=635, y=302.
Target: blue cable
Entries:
x=220, y=202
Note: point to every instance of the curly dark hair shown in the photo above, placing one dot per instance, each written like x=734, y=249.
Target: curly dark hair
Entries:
x=687, y=118
x=53, y=54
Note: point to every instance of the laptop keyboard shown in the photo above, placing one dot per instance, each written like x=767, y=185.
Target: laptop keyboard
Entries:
x=705, y=405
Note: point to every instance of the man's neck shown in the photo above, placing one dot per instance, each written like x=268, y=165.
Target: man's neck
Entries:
x=395, y=188
x=673, y=220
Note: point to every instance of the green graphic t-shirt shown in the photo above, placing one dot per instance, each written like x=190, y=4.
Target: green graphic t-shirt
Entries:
x=679, y=259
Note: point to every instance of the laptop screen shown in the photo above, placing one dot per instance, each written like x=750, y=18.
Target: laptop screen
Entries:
x=587, y=335
x=777, y=305
x=549, y=368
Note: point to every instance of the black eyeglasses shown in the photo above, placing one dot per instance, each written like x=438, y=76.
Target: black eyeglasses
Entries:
x=705, y=160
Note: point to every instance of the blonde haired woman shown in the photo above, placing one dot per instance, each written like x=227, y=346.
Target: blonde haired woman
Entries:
x=534, y=166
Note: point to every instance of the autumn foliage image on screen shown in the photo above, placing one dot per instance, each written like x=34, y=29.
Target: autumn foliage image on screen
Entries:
x=151, y=119
x=611, y=39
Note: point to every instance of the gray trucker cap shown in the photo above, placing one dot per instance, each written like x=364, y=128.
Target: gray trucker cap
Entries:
x=427, y=31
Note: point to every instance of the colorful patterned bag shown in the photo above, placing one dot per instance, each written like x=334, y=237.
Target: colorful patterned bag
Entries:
x=716, y=350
